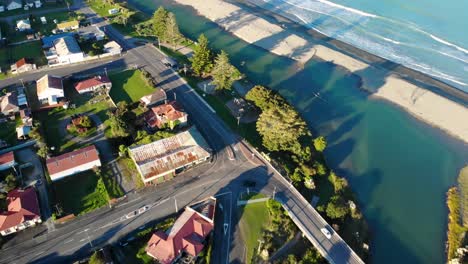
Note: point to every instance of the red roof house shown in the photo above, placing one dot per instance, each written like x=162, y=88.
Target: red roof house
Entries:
x=93, y=84
x=73, y=162
x=7, y=160
x=169, y=114
x=23, y=65
x=187, y=235
x=23, y=211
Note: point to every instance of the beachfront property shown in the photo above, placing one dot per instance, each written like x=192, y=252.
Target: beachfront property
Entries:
x=167, y=115
x=155, y=98
x=7, y=161
x=72, y=163
x=23, y=25
x=9, y=104
x=49, y=89
x=14, y=4
x=68, y=25
x=100, y=82
x=185, y=240
x=161, y=160
x=65, y=50
x=23, y=65
x=22, y=211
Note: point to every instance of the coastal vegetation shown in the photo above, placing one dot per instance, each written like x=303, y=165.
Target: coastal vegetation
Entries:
x=457, y=227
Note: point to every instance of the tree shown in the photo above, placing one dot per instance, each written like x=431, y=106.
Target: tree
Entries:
x=117, y=125
x=281, y=129
x=173, y=35
x=320, y=168
x=264, y=98
x=96, y=258
x=159, y=22
x=202, y=61
x=320, y=143
x=224, y=74
x=338, y=183
x=337, y=207
x=43, y=152
x=86, y=122
x=123, y=16
x=10, y=181
x=312, y=256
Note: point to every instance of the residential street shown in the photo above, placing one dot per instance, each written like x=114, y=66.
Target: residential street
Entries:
x=223, y=178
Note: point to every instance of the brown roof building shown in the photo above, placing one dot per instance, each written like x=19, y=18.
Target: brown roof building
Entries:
x=23, y=211
x=23, y=65
x=49, y=89
x=158, y=97
x=166, y=115
x=161, y=160
x=7, y=160
x=9, y=104
x=73, y=162
x=93, y=84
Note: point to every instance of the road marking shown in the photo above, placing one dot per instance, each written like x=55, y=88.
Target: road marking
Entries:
x=74, y=248
x=84, y=239
x=226, y=225
x=68, y=241
x=82, y=231
x=39, y=253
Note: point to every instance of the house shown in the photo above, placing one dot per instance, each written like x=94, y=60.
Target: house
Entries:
x=161, y=160
x=91, y=32
x=93, y=84
x=7, y=161
x=22, y=211
x=68, y=25
x=37, y=4
x=22, y=100
x=157, y=97
x=49, y=41
x=23, y=25
x=14, y=4
x=9, y=104
x=73, y=162
x=43, y=20
x=65, y=50
x=23, y=131
x=26, y=116
x=113, y=48
x=187, y=235
x=166, y=115
x=23, y=65
x=49, y=89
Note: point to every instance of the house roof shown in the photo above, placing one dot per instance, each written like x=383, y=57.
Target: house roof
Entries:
x=68, y=24
x=22, y=206
x=72, y=159
x=23, y=131
x=160, y=115
x=48, y=82
x=19, y=2
x=66, y=45
x=48, y=42
x=170, y=153
x=8, y=102
x=23, y=22
x=95, y=81
x=187, y=234
x=158, y=96
x=23, y=62
x=7, y=158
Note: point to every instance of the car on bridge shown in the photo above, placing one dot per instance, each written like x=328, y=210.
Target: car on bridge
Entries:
x=326, y=232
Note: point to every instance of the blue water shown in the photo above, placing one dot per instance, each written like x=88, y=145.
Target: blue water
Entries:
x=430, y=36
x=399, y=168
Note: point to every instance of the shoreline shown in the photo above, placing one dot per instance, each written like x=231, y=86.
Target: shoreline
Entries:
x=422, y=96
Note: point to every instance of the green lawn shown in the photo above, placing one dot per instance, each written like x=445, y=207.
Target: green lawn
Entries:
x=100, y=7
x=253, y=218
x=51, y=119
x=46, y=29
x=113, y=188
x=11, y=54
x=44, y=6
x=129, y=86
x=79, y=194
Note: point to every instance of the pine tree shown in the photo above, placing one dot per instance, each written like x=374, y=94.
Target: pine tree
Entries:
x=224, y=74
x=159, y=22
x=173, y=35
x=202, y=60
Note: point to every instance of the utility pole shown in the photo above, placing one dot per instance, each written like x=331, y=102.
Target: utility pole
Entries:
x=274, y=192
x=22, y=82
x=89, y=240
x=175, y=203
x=238, y=120
x=105, y=70
x=185, y=69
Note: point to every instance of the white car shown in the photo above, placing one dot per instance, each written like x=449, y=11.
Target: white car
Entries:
x=326, y=232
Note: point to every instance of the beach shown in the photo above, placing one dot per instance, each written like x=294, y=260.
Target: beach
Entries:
x=395, y=84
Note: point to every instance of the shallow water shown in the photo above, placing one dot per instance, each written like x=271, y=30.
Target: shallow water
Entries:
x=399, y=167
x=423, y=35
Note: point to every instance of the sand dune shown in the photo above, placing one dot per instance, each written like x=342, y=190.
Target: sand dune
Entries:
x=252, y=28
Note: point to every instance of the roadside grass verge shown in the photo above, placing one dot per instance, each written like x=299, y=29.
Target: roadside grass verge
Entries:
x=112, y=186
x=80, y=193
x=129, y=86
x=101, y=7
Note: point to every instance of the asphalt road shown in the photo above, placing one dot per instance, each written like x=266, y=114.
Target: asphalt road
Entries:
x=223, y=177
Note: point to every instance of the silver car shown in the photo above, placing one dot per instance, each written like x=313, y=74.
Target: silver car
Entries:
x=326, y=232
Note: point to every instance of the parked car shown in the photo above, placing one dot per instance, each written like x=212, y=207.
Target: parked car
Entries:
x=326, y=232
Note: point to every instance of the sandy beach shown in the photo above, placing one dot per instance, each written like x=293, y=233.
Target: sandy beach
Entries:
x=422, y=103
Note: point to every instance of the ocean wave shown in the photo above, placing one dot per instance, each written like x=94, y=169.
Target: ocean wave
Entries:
x=359, y=12
x=391, y=40
x=448, y=43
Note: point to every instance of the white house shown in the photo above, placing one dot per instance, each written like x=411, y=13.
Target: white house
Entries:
x=113, y=48
x=23, y=25
x=73, y=162
x=93, y=84
x=49, y=89
x=37, y=4
x=14, y=4
x=65, y=50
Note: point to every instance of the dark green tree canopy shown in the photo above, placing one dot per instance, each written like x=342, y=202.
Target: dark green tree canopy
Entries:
x=224, y=73
x=202, y=61
x=159, y=22
x=337, y=207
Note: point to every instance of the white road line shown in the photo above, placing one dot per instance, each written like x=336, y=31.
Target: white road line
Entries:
x=84, y=239
x=82, y=231
x=39, y=253
x=68, y=241
x=74, y=248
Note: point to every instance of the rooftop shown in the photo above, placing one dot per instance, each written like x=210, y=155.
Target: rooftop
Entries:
x=66, y=45
x=22, y=206
x=160, y=115
x=158, y=96
x=88, y=83
x=68, y=24
x=47, y=82
x=8, y=102
x=72, y=159
x=7, y=158
x=23, y=62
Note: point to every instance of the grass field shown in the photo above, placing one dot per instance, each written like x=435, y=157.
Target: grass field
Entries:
x=113, y=188
x=11, y=54
x=51, y=119
x=253, y=217
x=44, y=6
x=46, y=29
x=100, y=7
x=80, y=193
x=129, y=86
